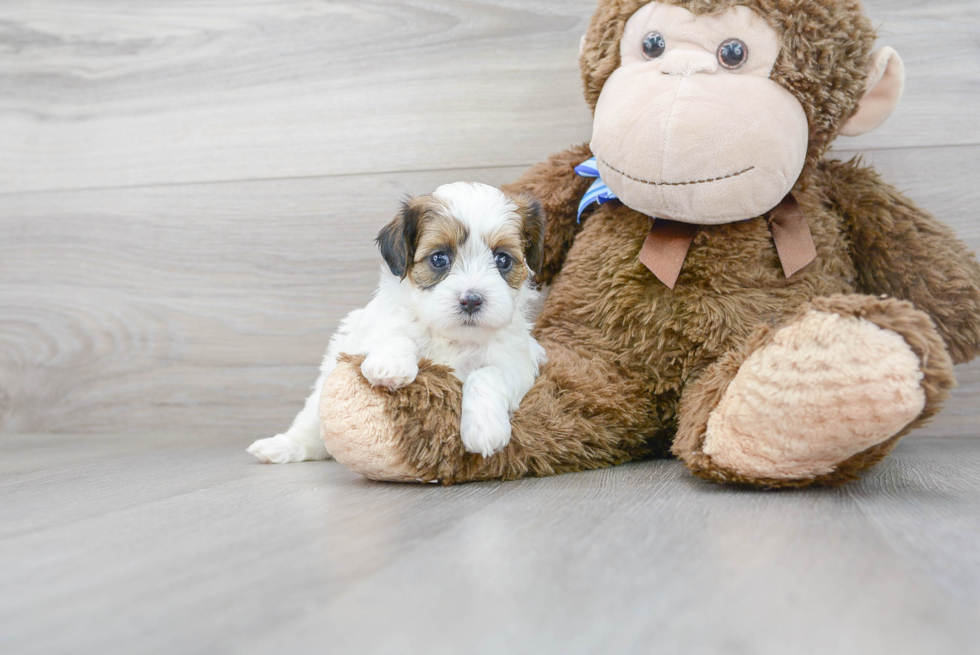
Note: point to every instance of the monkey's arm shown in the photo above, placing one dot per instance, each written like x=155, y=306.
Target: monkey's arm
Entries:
x=555, y=183
x=904, y=252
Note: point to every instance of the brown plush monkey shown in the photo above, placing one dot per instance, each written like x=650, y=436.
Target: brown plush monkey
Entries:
x=768, y=316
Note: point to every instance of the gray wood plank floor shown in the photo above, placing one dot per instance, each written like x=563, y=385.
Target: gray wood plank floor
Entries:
x=179, y=544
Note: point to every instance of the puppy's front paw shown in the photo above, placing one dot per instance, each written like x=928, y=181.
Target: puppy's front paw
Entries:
x=484, y=427
x=387, y=370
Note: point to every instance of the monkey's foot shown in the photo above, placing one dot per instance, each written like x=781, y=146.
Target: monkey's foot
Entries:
x=393, y=435
x=819, y=399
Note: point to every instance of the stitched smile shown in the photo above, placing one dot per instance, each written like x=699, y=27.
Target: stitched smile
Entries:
x=710, y=179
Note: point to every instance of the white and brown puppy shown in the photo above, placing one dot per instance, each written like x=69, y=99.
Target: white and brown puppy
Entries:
x=456, y=290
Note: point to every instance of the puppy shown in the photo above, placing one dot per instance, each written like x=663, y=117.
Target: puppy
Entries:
x=457, y=290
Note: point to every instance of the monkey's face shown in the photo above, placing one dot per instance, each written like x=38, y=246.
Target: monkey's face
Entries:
x=690, y=127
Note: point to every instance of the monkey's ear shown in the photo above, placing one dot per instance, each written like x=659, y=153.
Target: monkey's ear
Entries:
x=532, y=232
x=883, y=88
x=398, y=239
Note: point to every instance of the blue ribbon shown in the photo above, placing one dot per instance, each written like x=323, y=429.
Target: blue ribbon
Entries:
x=598, y=192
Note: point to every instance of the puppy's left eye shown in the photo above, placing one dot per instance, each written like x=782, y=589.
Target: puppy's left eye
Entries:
x=503, y=261
x=439, y=260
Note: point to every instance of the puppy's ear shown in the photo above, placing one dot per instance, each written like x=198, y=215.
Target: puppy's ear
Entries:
x=529, y=209
x=398, y=239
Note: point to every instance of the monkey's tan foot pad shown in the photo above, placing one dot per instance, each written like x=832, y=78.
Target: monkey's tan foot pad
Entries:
x=356, y=428
x=408, y=435
x=824, y=388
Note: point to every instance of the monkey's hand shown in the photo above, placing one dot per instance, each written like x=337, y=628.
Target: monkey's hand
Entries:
x=899, y=250
x=559, y=189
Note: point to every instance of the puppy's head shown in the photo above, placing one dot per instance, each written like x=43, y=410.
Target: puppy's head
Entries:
x=467, y=250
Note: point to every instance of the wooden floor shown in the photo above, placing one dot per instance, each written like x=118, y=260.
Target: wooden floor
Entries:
x=184, y=545
x=189, y=191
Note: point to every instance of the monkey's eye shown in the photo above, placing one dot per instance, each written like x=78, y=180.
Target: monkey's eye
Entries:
x=439, y=260
x=653, y=45
x=503, y=261
x=732, y=54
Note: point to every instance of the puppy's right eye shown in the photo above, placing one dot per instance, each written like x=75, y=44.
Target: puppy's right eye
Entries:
x=439, y=260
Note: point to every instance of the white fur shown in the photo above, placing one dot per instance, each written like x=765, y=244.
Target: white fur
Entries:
x=492, y=352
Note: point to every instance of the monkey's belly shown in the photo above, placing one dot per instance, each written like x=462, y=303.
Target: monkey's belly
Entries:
x=731, y=281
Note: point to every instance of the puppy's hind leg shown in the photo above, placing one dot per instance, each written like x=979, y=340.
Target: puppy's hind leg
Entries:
x=302, y=442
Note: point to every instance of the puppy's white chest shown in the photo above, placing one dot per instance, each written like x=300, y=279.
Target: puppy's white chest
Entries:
x=464, y=358
x=463, y=366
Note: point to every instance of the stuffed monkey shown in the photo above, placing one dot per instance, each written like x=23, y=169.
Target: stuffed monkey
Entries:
x=719, y=290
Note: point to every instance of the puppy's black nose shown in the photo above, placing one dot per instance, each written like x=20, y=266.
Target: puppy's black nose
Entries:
x=471, y=302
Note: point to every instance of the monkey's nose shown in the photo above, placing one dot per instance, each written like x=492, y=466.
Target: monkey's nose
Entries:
x=471, y=302
x=688, y=62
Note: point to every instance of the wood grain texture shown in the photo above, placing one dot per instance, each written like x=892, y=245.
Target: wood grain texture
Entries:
x=170, y=544
x=207, y=307
x=153, y=296
x=99, y=94
x=203, y=308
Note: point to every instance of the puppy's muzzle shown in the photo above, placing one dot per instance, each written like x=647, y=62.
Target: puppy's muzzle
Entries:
x=471, y=302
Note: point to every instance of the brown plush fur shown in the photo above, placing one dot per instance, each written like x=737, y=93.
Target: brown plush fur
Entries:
x=901, y=251
x=559, y=202
x=624, y=350
x=704, y=395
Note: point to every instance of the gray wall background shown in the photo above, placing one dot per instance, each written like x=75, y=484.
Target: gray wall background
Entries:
x=189, y=190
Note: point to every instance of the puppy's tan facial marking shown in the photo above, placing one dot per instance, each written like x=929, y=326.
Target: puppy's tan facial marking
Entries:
x=532, y=226
x=516, y=273
x=440, y=238
x=507, y=245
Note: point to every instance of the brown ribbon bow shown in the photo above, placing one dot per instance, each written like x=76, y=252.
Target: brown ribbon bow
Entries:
x=667, y=243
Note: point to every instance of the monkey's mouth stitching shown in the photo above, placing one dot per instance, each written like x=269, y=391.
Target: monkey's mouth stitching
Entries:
x=710, y=179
